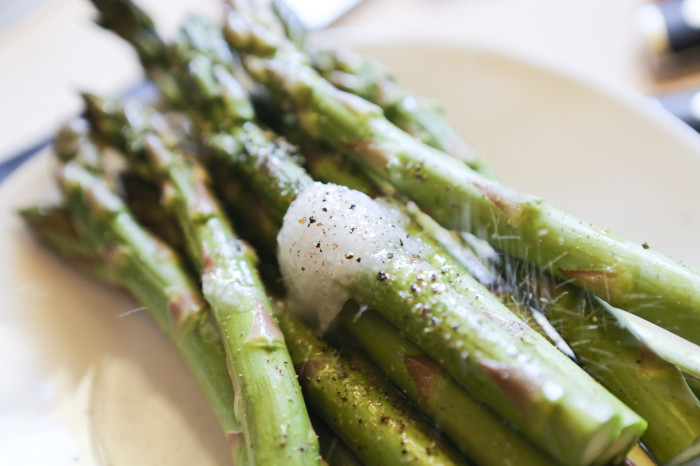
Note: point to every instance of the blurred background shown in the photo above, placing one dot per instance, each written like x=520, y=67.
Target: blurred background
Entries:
x=49, y=48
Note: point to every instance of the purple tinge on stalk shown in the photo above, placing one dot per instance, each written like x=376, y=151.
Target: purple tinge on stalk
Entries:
x=182, y=304
x=264, y=332
x=208, y=264
x=508, y=201
x=236, y=391
x=424, y=373
x=236, y=441
x=202, y=202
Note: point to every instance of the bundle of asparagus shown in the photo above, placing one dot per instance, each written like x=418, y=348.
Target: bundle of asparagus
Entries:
x=473, y=349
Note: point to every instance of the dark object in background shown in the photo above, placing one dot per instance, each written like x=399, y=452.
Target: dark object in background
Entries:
x=670, y=30
x=685, y=105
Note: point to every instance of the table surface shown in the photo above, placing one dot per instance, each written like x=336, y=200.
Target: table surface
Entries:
x=54, y=50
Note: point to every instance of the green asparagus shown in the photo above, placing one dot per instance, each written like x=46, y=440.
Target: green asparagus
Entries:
x=483, y=436
x=402, y=307
x=260, y=369
x=269, y=403
x=628, y=275
x=106, y=233
x=368, y=79
x=135, y=26
x=623, y=362
x=359, y=406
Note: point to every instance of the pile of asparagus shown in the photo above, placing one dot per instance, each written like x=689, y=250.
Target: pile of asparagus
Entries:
x=490, y=339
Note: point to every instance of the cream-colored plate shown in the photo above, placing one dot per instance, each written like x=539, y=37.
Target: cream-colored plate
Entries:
x=86, y=376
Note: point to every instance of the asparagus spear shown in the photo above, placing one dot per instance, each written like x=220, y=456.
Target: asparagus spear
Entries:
x=249, y=163
x=359, y=406
x=612, y=351
x=368, y=79
x=651, y=394
x=653, y=387
x=115, y=248
x=136, y=27
x=53, y=226
x=416, y=434
x=269, y=406
x=224, y=146
x=378, y=339
x=260, y=369
x=628, y=275
x=381, y=439
x=473, y=428
x=246, y=161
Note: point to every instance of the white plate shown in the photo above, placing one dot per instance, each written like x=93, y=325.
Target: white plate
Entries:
x=92, y=380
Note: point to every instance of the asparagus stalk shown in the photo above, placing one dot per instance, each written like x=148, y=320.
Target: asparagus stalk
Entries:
x=226, y=146
x=53, y=226
x=113, y=244
x=594, y=331
x=136, y=27
x=415, y=330
x=609, y=348
x=368, y=79
x=628, y=275
x=270, y=405
x=614, y=421
x=291, y=23
x=475, y=429
x=464, y=413
x=380, y=439
x=474, y=256
x=648, y=394
x=365, y=411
